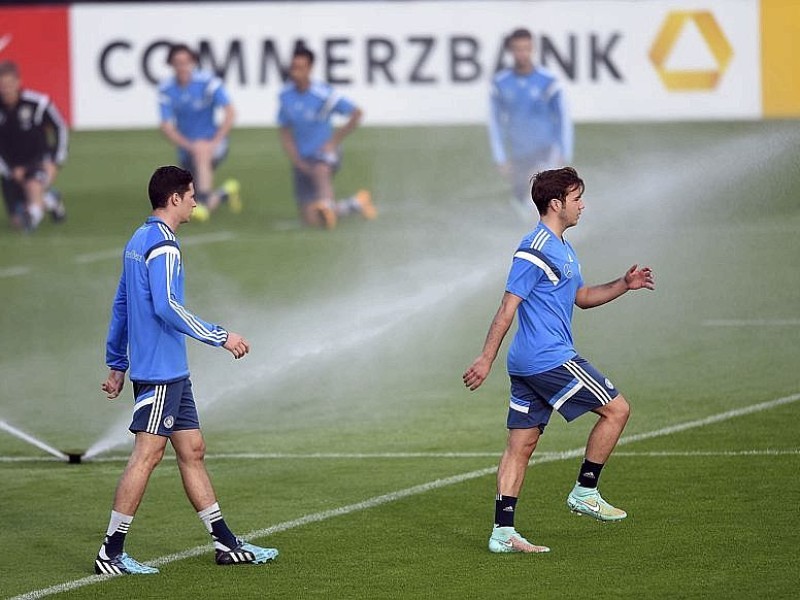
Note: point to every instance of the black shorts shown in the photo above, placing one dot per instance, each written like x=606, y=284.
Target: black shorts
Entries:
x=14, y=194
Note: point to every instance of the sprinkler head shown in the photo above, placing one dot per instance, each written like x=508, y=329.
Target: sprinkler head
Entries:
x=74, y=458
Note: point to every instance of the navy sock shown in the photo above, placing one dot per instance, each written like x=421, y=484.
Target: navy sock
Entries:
x=212, y=518
x=589, y=474
x=504, y=507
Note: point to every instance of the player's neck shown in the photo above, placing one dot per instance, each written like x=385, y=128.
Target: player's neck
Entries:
x=171, y=221
x=524, y=69
x=554, y=224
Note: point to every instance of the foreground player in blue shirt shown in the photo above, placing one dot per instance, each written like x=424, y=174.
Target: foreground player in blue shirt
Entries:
x=149, y=321
x=314, y=147
x=188, y=102
x=546, y=372
x=529, y=127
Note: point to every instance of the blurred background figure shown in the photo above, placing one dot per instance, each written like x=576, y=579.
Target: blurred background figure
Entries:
x=33, y=145
x=314, y=147
x=530, y=129
x=188, y=102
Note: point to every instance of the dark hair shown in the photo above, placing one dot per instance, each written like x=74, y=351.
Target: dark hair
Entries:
x=300, y=49
x=518, y=34
x=176, y=48
x=8, y=67
x=167, y=181
x=554, y=184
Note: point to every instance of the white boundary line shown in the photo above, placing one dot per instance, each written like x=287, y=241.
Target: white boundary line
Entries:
x=189, y=240
x=401, y=455
x=14, y=271
x=413, y=491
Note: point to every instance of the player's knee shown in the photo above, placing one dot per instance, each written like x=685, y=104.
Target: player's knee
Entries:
x=621, y=410
x=523, y=446
x=194, y=452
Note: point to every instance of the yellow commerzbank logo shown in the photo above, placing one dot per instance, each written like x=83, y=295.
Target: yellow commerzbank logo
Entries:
x=690, y=80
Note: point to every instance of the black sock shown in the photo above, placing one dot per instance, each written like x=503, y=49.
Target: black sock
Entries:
x=202, y=197
x=589, y=474
x=504, y=507
x=114, y=543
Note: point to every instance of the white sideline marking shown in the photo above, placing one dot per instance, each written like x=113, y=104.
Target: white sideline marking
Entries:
x=379, y=455
x=412, y=491
x=14, y=271
x=751, y=323
x=189, y=240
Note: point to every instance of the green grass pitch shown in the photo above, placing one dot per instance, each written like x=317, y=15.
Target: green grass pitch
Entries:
x=359, y=339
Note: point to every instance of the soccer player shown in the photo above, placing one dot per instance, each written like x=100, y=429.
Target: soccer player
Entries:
x=149, y=319
x=188, y=102
x=33, y=146
x=314, y=147
x=546, y=373
x=529, y=127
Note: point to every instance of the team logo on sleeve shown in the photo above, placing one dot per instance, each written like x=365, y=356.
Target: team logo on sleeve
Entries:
x=169, y=422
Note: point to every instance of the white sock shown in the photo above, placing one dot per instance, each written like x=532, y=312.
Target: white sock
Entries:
x=50, y=200
x=36, y=214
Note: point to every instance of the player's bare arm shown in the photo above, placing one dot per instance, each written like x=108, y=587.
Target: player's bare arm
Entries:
x=478, y=371
x=173, y=135
x=597, y=295
x=236, y=345
x=225, y=127
x=113, y=384
x=343, y=131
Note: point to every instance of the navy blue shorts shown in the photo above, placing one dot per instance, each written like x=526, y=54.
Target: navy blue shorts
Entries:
x=572, y=389
x=163, y=408
x=305, y=189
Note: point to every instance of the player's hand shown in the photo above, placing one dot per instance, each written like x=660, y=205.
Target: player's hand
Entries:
x=477, y=373
x=236, y=345
x=504, y=169
x=113, y=384
x=637, y=278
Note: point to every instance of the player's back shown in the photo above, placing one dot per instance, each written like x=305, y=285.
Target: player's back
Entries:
x=157, y=351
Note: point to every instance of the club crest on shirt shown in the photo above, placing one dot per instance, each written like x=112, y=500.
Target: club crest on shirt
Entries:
x=567, y=270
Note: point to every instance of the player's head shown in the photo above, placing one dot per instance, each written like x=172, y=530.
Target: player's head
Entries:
x=520, y=43
x=183, y=60
x=559, y=190
x=172, y=188
x=9, y=82
x=300, y=69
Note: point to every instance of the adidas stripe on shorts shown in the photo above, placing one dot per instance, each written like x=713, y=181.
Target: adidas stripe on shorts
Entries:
x=163, y=408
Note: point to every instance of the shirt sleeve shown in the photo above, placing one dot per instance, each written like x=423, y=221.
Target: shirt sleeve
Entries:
x=496, y=134
x=523, y=277
x=220, y=96
x=117, y=339
x=165, y=109
x=283, y=115
x=343, y=106
x=163, y=262
x=58, y=148
x=564, y=127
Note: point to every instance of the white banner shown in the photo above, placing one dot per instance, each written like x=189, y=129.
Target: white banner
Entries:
x=427, y=62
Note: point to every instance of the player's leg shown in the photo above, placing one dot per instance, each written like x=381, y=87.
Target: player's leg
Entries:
x=595, y=393
x=527, y=418
x=322, y=210
x=190, y=448
x=202, y=161
x=34, y=197
x=148, y=451
x=15, y=203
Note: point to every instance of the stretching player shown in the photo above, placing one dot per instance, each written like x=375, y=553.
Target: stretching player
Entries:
x=188, y=102
x=33, y=146
x=314, y=148
x=148, y=319
x=544, y=284
x=529, y=117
